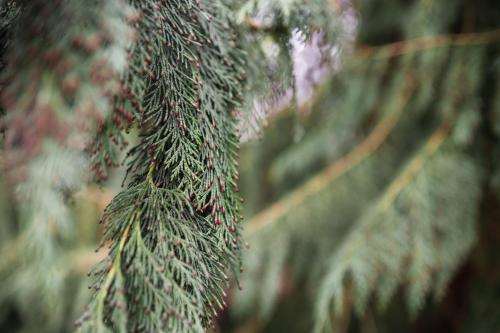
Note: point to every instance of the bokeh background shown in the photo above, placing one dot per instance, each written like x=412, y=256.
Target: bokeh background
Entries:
x=370, y=173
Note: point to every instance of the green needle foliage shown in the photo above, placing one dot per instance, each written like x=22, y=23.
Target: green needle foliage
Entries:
x=383, y=186
x=424, y=224
x=378, y=201
x=174, y=233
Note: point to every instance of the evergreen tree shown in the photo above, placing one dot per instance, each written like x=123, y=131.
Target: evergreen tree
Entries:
x=375, y=183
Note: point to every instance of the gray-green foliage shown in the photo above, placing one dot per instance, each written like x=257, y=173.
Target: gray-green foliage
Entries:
x=394, y=141
x=389, y=204
x=174, y=232
x=417, y=241
x=268, y=31
x=52, y=99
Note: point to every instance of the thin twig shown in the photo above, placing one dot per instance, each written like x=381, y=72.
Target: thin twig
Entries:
x=428, y=42
x=413, y=168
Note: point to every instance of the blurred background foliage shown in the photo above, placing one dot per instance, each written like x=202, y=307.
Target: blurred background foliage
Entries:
x=370, y=171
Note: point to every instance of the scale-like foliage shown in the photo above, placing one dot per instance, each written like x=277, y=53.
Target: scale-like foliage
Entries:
x=174, y=231
x=388, y=150
x=424, y=224
x=391, y=143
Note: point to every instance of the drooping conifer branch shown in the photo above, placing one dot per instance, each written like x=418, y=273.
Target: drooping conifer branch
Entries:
x=174, y=231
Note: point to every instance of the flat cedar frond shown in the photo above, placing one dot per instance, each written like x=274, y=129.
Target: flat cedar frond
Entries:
x=372, y=252
x=173, y=232
x=376, y=176
x=166, y=271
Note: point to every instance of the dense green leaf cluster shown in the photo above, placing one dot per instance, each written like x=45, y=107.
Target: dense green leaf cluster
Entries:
x=173, y=232
x=379, y=199
x=379, y=189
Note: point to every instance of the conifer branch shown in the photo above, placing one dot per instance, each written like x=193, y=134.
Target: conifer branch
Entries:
x=337, y=168
x=386, y=193
x=416, y=164
x=393, y=222
x=348, y=261
x=173, y=232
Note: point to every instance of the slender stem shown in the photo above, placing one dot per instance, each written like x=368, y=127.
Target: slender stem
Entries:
x=113, y=270
x=428, y=42
x=335, y=170
x=412, y=169
x=121, y=245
